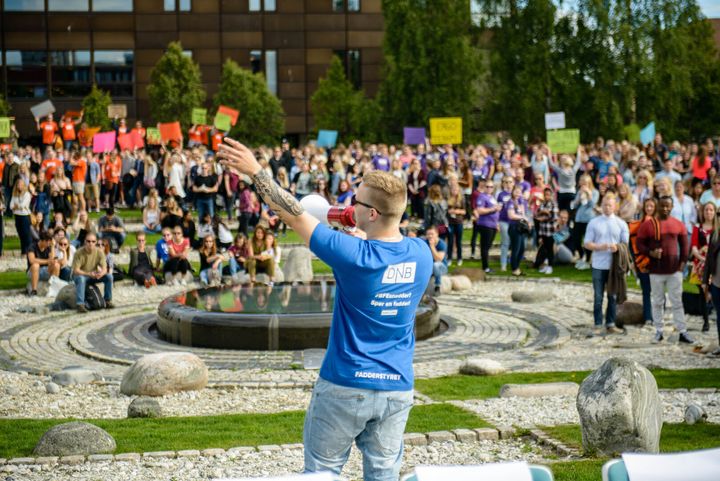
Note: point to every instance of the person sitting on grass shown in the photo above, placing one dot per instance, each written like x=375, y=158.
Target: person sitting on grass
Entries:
x=239, y=252
x=41, y=261
x=90, y=267
x=261, y=259
x=162, y=248
x=210, y=262
x=140, y=267
x=177, y=266
x=112, y=228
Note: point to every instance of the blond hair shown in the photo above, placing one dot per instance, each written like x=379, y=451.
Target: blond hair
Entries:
x=388, y=193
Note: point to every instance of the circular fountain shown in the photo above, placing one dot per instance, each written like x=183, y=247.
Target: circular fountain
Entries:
x=259, y=317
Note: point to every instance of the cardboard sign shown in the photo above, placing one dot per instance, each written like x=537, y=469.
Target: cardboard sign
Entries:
x=42, y=109
x=563, y=141
x=223, y=122
x=104, y=142
x=199, y=116
x=137, y=140
x=413, y=135
x=170, y=131
x=446, y=130
x=4, y=127
x=153, y=136
x=647, y=135
x=554, y=120
x=232, y=113
x=117, y=110
x=327, y=138
x=125, y=141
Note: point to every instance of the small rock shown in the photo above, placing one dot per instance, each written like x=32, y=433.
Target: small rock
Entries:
x=165, y=373
x=76, y=375
x=695, y=414
x=144, y=407
x=475, y=274
x=460, y=283
x=540, y=389
x=298, y=265
x=52, y=388
x=629, y=314
x=445, y=285
x=531, y=297
x=482, y=367
x=74, y=438
x=12, y=390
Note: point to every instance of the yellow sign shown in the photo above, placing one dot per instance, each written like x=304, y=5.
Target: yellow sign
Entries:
x=564, y=141
x=446, y=130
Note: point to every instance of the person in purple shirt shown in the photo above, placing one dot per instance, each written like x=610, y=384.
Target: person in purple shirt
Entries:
x=517, y=212
x=381, y=161
x=487, y=213
x=503, y=198
x=448, y=151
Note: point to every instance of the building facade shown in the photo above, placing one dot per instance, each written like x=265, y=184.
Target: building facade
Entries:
x=56, y=49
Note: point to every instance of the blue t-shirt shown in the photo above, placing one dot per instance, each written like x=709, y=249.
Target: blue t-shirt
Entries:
x=162, y=251
x=378, y=288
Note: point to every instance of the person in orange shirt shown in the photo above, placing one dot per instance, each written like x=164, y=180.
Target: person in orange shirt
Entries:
x=85, y=136
x=48, y=129
x=50, y=164
x=67, y=125
x=140, y=130
x=112, y=165
x=217, y=138
x=79, y=171
x=195, y=135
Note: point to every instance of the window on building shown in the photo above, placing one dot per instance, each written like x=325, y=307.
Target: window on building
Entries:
x=351, y=62
x=68, y=5
x=266, y=64
x=112, y=5
x=188, y=53
x=346, y=5
x=24, y=5
x=114, y=71
x=264, y=5
x=170, y=5
x=185, y=5
x=70, y=73
x=256, y=61
x=26, y=73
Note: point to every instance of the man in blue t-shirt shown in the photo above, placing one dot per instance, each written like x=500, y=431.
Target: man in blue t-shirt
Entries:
x=364, y=392
x=162, y=252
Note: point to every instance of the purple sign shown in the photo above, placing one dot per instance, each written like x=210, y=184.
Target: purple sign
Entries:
x=413, y=135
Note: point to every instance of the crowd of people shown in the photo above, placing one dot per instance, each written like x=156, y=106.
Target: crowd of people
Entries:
x=559, y=203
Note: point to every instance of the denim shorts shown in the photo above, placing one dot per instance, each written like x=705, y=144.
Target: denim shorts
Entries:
x=43, y=275
x=375, y=420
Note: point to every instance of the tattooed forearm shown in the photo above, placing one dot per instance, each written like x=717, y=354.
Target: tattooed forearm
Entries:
x=275, y=196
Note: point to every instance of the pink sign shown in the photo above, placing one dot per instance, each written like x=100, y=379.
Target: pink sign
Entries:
x=104, y=142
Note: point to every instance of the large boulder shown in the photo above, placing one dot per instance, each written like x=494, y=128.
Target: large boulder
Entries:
x=298, y=266
x=75, y=438
x=475, y=274
x=482, y=367
x=620, y=409
x=460, y=283
x=165, y=373
x=76, y=375
x=629, y=314
x=67, y=297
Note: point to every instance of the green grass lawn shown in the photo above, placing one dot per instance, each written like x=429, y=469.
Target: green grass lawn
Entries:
x=142, y=435
x=674, y=437
x=462, y=387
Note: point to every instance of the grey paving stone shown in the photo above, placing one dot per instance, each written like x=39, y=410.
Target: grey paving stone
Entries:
x=17, y=461
x=487, y=434
x=72, y=460
x=465, y=435
x=160, y=454
x=292, y=446
x=128, y=457
x=269, y=448
x=506, y=432
x=211, y=453
x=703, y=390
x=99, y=458
x=440, y=436
x=46, y=460
x=415, y=439
x=240, y=450
x=188, y=453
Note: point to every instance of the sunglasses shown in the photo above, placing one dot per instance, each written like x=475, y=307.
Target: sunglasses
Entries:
x=354, y=201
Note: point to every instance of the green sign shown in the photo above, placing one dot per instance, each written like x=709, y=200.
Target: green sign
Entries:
x=153, y=135
x=4, y=127
x=199, y=116
x=564, y=141
x=223, y=122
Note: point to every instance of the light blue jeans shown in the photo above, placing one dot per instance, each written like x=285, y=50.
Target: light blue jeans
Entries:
x=375, y=420
x=439, y=269
x=504, y=243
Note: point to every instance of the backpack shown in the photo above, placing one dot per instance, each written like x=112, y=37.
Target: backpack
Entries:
x=93, y=298
x=642, y=262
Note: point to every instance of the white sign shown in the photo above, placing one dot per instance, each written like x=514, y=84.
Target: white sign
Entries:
x=42, y=109
x=513, y=471
x=669, y=467
x=554, y=120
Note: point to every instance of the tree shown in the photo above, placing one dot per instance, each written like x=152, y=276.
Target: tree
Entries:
x=261, y=119
x=95, y=106
x=175, y=87
x=336, y=105
x=430, y=67
x=4, y=107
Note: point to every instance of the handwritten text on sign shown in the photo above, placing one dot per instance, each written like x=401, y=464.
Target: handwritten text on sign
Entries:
x=446, y=130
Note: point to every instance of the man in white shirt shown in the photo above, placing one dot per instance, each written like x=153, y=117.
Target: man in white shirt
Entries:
x=712, y=194
x=603, y=235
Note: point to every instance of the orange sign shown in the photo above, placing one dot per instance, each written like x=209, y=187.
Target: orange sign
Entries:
x=232, y=113
x=170, y=131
